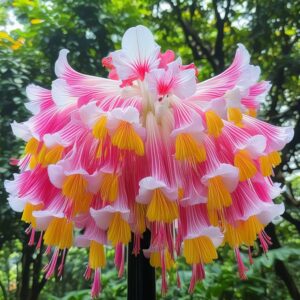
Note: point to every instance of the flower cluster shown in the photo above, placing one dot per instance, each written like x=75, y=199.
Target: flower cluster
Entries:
x=149, y=147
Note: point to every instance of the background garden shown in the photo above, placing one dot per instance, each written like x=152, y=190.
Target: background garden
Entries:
x=31, y=34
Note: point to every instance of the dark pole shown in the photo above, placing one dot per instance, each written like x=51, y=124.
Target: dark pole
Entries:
x=141, y=276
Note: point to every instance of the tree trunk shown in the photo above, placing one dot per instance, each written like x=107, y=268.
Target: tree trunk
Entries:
x=141, y=276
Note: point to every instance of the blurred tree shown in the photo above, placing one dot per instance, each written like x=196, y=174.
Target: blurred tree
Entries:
x=206, y=31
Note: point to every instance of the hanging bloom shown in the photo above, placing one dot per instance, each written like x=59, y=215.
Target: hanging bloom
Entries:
x=148, y=148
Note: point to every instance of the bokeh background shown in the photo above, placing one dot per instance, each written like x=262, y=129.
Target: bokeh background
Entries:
x=31, y=34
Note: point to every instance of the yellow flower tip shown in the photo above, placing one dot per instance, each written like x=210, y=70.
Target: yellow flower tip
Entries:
x=97, y=256
x=33, y=162
x=188, y=149
x=249, y=229
x=265, y=165
x=235, y=115
x=214, y=123
x=140, y=215
x=36, y=21
x=32, y=147
x=218, y=198
x=53, y=155
x=199, y=250
x=161, y=208
x=232, y=236
x=275, y=158
x=59, y=233
x=155, y=260
x=27, y=213
x=109, y=188
x=118, y=230
x=245, y=164
x=99, y=130
x=126, y=138
x=75, y=188
x=218, y=194
x=41, y=155
x=252, y=112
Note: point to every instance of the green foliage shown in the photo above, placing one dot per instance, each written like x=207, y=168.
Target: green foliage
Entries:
x=90, y=29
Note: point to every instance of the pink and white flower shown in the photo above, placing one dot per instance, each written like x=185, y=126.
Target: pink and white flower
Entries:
x=148, y=148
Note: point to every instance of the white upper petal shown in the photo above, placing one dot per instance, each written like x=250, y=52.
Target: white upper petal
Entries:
x=44, y=217
x=229, y=174
x=104, y=215
x=90, y=113
x=129, y=114
x=138, y=42
x=16, y=203
x=148, y=184
x=271, y=212
x=52, y=140
x=212, y=232
x=21, y=130
x=255, y=145
x=56, y=175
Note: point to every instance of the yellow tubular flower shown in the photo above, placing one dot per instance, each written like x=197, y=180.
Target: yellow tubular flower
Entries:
x=118, y=230
x=235, y=115
x=214, y=123
x=155, y=260
x=243, y=161
x=199, y=250
x=161, y=208
x=188, y=149
x=126, y=138
x=97, y=256
x=109, y=188
x=27, y=213
x=59, y=233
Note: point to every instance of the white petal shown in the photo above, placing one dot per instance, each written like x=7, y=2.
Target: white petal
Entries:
x=52, y=140
x=138, y=50
x=90, y=113
x=129, y=114
x=139, y=42
x=212, y=232
x=44, y=217
x=61, y=95
x=61, y=64
x=12, y=186
x=16, y=203
x=233, y=98
x=103, y=216
x=150, y=183
x=272, y=211
x=255, y=145
x=21, y=130
x=56, y=175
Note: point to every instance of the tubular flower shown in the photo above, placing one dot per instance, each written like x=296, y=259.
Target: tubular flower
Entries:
x=148, y=148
